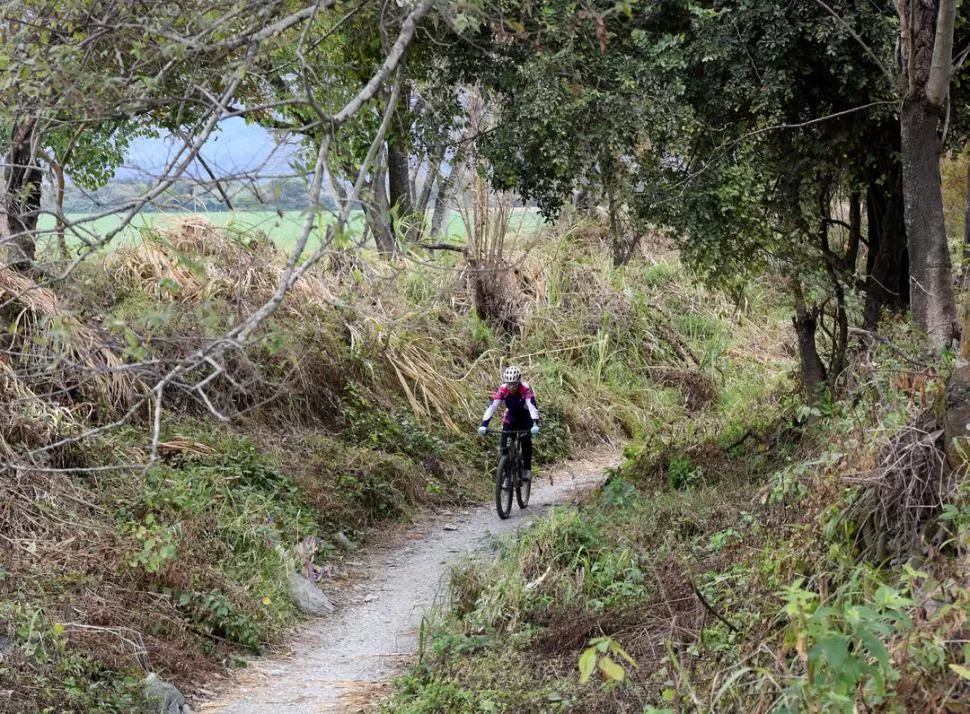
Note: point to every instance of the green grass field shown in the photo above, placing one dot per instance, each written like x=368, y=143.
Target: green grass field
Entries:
x=283, y=230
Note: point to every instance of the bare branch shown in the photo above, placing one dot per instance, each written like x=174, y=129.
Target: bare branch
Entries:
x=858, y=39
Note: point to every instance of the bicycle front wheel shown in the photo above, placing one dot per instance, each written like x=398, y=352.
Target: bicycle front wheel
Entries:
x=523, y=489
x=503, y=487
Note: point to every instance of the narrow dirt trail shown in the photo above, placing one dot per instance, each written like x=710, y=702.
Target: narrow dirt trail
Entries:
x=342, y=662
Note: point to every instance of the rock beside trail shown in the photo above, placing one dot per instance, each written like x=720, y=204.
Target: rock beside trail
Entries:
x=164, y=698
x=308, y=598
x=344, y=542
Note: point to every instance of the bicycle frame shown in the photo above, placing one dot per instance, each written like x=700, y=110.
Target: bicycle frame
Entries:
x=514, y=447
x=512, y=480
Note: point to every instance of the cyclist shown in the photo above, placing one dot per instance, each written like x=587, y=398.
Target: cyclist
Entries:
x=521, y=413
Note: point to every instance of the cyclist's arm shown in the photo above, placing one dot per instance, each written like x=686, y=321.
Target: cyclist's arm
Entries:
x=530, y=403
x=497, y=399
x=490, y=412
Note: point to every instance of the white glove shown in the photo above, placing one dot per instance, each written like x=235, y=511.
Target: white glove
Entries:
x=483, y=430
x=535, y=429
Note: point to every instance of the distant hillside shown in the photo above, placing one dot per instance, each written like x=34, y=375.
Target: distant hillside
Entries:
x=285, y=194
x=235, y=148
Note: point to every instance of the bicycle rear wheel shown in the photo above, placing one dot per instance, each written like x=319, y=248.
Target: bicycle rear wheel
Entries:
x=503, y=487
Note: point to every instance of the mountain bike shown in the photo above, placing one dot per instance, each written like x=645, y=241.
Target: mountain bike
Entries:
x=508, y=477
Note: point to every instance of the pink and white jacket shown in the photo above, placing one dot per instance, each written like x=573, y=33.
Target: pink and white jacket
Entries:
x=520, y=406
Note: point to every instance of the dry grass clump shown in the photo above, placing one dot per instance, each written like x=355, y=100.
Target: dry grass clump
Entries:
x=698, y=389
x=196, y=235
x=194, y=260
x=54, y=530
x=26, y=420
x=47, y=521
x=428, y=392
x=903, y=495
x=674, y=615
x=657, y=246
x=499, y=293
x=587, y=289
x=217, y=278
x=591, y=236
x=55, y=354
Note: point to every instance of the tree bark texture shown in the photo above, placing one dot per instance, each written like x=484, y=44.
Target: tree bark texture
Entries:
x=887, y=258
x=377, y=214
x=400, y=202
x=59, y=185
x=840, y=337
x=926, y=34
x=811, y=366
x=965, y=277
x=442, y=209
x=855, y=233
x=931, y=275
x=21, y=200
x=423, y=196
x=399, y=185
x=621, y=254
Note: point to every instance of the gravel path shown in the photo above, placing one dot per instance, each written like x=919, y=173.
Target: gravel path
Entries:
x=342, y=662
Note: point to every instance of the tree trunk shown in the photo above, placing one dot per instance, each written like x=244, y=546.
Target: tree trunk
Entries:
x=855, y=234
x=811, y=367
x=840, y=337
x=887, y=260
x=965, y=268
x=926, y=44
x=622, y=248
x=931, y=276
x=400, y=202
x=422, y=197
x=377, y=214
x=21, y=200
x=399, y=185
x=59, y=203
x=444, y=200
x=442, y=210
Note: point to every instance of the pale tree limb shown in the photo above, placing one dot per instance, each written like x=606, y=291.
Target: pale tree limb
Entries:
x=277, y=27
x=394, y=57
x=938, y=83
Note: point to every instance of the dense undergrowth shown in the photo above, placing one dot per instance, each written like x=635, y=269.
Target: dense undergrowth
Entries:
x=754, y=556
x=354, y=407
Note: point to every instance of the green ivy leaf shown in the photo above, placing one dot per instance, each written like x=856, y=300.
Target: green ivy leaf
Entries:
x=612, y=671
x=587, y=663
x=961, y=670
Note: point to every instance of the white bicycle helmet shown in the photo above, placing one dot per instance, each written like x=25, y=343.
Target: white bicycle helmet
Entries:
x=512, y=375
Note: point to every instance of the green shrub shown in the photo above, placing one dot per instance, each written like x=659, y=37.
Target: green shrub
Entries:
x=682, y=473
